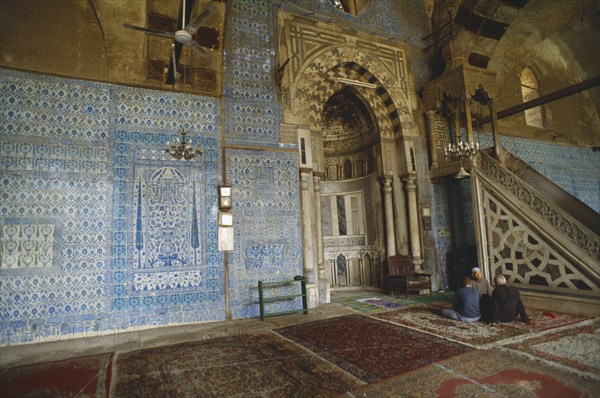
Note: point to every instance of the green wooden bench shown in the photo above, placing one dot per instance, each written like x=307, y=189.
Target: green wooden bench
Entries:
x=262, y=299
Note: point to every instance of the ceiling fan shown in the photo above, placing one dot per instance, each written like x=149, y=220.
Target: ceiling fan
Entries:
x=183, y=36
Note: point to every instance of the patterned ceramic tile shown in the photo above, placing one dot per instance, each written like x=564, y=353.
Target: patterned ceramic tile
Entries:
x=99, y=230
x=267, y=230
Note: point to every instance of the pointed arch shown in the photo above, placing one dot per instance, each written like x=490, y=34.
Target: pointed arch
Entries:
x=317, y=80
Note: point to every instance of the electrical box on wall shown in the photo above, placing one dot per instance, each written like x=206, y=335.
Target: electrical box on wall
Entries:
x=426, y=219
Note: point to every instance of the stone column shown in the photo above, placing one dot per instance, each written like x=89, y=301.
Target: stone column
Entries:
x=413, y=221
x=401, y=219
x=308, y=241
x=307, y=231
x=389, y=216
x=319, y=224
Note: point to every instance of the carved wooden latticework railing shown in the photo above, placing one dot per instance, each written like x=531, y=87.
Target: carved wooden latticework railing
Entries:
x=552, y=253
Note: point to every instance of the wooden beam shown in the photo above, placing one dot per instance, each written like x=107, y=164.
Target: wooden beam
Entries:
x=565, y=92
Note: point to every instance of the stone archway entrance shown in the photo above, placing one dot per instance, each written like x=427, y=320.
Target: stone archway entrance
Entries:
x=348, y=191
x=346, y=105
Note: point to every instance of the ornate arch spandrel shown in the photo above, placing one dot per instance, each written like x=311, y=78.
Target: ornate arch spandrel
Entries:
x=309, y=50
x=315, y=82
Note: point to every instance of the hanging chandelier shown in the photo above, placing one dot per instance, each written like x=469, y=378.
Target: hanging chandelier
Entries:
x=461, y=151
x=182, y=149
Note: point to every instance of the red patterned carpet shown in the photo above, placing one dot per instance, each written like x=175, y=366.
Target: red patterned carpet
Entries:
x=87, y=376
x=482, y=373
x=429, y=319
x=238, y=366
x=370, y=349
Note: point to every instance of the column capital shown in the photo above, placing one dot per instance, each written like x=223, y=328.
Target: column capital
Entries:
x=385, y=180
x=410, y=181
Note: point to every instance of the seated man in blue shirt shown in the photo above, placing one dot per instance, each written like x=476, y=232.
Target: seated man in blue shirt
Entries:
x=466, y=304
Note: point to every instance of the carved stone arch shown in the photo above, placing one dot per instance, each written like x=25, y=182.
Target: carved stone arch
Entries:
x=315, y=82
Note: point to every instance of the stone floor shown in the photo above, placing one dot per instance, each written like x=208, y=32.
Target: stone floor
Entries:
x=146, y=338
x=122, y=342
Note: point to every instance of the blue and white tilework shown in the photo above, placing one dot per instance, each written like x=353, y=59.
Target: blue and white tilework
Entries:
x=268, y=243
x=101, y=231
x=250, y=93
x=164, y=244
x=574, y=169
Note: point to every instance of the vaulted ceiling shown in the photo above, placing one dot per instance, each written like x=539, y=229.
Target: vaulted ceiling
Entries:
x=556, y=39
x=88, y=39
x=501, y=35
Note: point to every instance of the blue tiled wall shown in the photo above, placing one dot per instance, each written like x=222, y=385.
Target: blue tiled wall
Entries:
x=268, y=242
x=263, y=172
x=130, y=234
x=100, y=231
x=250, y=95
x=574, y=169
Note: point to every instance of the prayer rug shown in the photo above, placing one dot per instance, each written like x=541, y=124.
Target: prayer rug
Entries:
x=262, y=365
x=370, y=304
x=543, y=319
x=547, y=320
x=380, y=302
x=370, y=349
x=576, y=348
x=87, y=376
x=482, y=373
x=429, y=319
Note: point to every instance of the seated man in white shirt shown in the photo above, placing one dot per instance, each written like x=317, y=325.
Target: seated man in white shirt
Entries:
x=485, y=294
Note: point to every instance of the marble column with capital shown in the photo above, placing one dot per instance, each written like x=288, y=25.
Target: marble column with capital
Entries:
x=413, y=222
x=308, y=247
x=389, y=216
x=308, y=239
x=319, y=225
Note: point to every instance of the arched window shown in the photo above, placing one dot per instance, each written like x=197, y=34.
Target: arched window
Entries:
x=530, y=90
x=347, y=169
